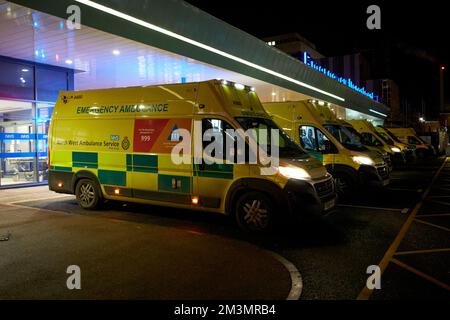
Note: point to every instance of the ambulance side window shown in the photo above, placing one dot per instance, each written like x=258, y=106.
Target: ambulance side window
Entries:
x=371, y=140
x=325, y=145
x=308, y=138
x=413, y=140
x=216, y=128
x=312, y=139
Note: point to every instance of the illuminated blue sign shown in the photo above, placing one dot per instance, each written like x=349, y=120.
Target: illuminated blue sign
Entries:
x=347, y=82
x=23, y=136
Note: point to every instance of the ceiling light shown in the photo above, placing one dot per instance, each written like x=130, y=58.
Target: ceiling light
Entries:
x=377, y=112
x=198, y=44
x=68, y=61
x=116, y=52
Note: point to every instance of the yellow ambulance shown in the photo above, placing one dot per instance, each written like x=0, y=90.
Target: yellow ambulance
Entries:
x=409, y=150
x=312, y=124
x=409, y=136
x=119, y=144
x=371, y=137
x=374, y=147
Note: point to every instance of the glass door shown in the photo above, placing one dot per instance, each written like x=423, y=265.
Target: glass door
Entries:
x=17, y=143
x=43, y=115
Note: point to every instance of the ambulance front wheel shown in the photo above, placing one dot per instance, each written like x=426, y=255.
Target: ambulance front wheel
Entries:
x=254, y=212
x=88, y=194
x=343, y=184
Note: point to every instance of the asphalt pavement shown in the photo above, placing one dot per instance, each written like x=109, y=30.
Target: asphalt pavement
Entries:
x=149, y=252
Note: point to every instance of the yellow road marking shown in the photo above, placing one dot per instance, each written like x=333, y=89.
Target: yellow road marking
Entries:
x=366, y=292
x=421, y=274
x=401, y=253
x=432, y=224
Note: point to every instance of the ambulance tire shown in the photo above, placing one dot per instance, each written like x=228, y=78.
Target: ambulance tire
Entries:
x=421, y=153
x=88, y=194
x=254, y=212
x=344, y=184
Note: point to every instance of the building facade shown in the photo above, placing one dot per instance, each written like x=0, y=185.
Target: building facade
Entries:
x=293, y=44
x=28, y=92
x=132, y=43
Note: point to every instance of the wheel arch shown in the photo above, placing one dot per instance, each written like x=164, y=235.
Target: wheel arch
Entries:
x=242, y=185
x=84, y=174
x=350, y=172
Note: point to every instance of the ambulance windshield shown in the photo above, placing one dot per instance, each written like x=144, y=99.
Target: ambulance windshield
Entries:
x=345, y=137
x=287, y=146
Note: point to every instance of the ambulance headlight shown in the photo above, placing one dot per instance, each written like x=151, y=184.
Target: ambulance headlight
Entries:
x=294, y=173
x=395, y=149
x=363, y=160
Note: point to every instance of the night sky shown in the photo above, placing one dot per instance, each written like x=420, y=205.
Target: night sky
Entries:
x=414, y=35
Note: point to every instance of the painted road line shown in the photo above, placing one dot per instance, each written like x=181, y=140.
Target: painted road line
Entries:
x=404, y=189
x=366, y=292
x=439, y=202
x=402, y=253
x=421, y=274
x=432, y=225
x=371, y=208
x=38, y=199
x=442, y=188
x=433, y=215
x=437, y=197
x=445, y=186
x=296, y=277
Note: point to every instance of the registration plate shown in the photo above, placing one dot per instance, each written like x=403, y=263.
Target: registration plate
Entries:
x=328, y=205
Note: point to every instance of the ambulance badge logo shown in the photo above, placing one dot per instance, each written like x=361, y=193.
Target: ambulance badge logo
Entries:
x=125, y=143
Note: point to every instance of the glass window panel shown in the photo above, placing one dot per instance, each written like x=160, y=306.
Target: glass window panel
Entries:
x=16, y=81
x=49, y=83
x=43, y=115
x=18, y=143
x=321, y=138
x=308, y=138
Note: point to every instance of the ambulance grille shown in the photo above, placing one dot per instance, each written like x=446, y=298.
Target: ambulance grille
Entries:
x=383, y=172
x=324, y=188
x=387, y=159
